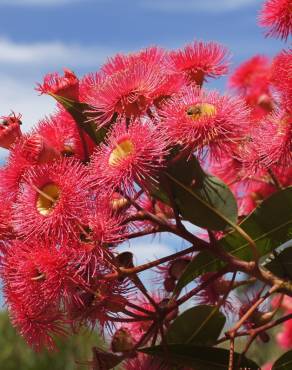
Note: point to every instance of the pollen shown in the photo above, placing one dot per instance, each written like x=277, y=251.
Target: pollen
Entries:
x=122, y=150
x=47, y=199
x=198, y=111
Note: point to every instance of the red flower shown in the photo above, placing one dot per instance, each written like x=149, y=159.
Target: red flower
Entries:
x=196, y=118
x=104, y=300
x=39, y=274
x=37, y=326
x=277, y=16
x=133, y=154
x=284, y=338
x=281, y=72
x=252, y=79
x=36, y=149
x=128, y=93
x=61, y=133
x=52, y=201
x=144, y=362
x=200, y=60
x=213, y=293
x=273, y=142
x=89, y=84
x=13, y=171
x=106, y=225
x=9, y=130
x=149, y=56
x=66, y=86
x=138, y=328
x=6, y=230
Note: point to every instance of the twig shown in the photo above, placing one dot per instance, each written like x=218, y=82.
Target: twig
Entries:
x=231, y=333
x=275, y=180
x=202, y=286
x=231, y=354
x=134, y=270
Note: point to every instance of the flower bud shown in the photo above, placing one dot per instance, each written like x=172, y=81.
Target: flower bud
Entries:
x=125, y=260
x=169, y=284
x=122, y=341
x=262, y=318
x=177, y=267
x=9, y=130
x=172, y=314
x=66, y=86
x=36, y=149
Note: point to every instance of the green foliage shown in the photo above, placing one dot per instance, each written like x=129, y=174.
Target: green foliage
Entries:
x=270, y=225
x=202, y=199
x=16, y=355
x=284, y=362
x=85, y=117
x=199, y=325
x=199, y=358
x=281, y=264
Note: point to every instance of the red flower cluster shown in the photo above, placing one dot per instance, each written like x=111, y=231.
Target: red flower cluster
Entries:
x=69, y=199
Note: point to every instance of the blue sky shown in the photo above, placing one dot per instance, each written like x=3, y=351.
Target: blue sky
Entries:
x=40, y=36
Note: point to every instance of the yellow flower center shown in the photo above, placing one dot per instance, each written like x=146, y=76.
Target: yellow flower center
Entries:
x=122, y=150
x=47, y=199
x=198, y=111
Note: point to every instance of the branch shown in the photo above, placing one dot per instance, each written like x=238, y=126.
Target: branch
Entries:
x=124, y=272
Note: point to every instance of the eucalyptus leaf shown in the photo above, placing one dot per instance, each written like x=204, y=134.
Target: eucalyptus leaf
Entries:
x=202, y=199
x=199, y=325
x=270, y=225
x=284, y=362
x=85, y=116
x=281, y=264
x=199, y=357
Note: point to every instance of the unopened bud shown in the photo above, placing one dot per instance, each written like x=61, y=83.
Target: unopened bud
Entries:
x=177, y=267
x=169, y=284
x=262, y=318
x=173, y=313
x=265, y=102
x=264, y=336
x=122, y=341
x=9, y=130
x=66, y=86
x=125, y=260
x=36, y=149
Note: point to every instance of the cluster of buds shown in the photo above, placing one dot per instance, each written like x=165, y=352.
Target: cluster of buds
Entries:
x=68, y=199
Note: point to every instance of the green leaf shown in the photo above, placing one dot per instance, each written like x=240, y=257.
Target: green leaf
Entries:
x=199, y=325
x=199, y=358
x=201, y=199
x=284, y=362
x=281, y=264
x=85, y=117
x=198, y=266
x=270, y=225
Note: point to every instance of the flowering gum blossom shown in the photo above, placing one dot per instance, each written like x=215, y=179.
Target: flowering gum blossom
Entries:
x=121, y=151
x=198, y=111
x=47, y=199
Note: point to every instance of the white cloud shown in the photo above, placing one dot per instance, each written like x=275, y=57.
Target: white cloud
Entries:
x=21, y=97
x=38, y=2
x=23, y=64
x=53, y=53
x=210, y=6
